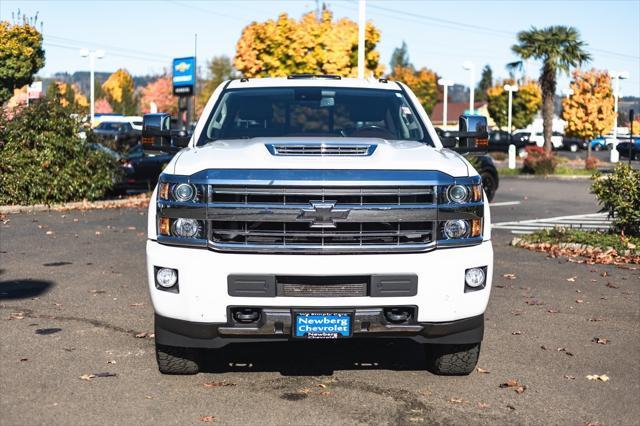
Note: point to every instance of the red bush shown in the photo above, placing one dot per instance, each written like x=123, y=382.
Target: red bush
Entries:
x=538, y=161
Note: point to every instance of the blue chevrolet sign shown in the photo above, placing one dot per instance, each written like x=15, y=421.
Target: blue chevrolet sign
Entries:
x=184, y=75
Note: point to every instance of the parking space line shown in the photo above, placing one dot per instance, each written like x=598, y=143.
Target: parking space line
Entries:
x=505, y=203
x=591, y=221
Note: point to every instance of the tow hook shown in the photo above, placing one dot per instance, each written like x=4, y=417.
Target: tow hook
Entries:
x=246, y=315
x=397, y=315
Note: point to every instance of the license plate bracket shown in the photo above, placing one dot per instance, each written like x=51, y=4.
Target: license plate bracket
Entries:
x=321, y=324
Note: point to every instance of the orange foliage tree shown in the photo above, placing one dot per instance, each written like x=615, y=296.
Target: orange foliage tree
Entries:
x=423, y=82
x=277, y=48
x=589, y=110
x=119, y=91
x=159, y=92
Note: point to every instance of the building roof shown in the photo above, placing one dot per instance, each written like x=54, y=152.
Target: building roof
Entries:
x=455, y=109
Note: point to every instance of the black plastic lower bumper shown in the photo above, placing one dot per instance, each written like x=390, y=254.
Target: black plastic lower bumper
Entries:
x=275, y=325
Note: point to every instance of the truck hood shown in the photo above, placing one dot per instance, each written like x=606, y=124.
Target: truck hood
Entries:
x=254, y=154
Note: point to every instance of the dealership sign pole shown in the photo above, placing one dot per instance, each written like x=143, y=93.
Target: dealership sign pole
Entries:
x=184, y=81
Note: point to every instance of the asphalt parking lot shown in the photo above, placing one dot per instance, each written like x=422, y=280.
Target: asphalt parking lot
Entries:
x=73, y=302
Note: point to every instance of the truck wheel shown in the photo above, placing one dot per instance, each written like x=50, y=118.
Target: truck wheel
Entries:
x=173, y=360
x=453, y=360
x=489, y=184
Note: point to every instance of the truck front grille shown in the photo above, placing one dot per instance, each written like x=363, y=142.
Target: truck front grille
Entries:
x=321, y=150
x=321, y=219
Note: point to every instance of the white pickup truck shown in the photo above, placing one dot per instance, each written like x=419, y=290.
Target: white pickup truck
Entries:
x=318, y=207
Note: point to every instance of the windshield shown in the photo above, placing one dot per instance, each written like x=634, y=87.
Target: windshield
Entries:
x=309, y=112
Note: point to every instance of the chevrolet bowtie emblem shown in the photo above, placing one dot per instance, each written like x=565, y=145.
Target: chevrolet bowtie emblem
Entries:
x=323, y=214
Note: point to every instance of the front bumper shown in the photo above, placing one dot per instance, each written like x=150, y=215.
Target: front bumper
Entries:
x=275, y=325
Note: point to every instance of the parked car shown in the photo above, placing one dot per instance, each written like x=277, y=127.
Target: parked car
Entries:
x=490, y=179
x=140, y=169
x=122, y=133
x=499, y=140
x=538, y=139
x=599, y=143
x=573, y=144
x=623, y=148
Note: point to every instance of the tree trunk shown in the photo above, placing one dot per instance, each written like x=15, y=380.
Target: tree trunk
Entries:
x=548, y=86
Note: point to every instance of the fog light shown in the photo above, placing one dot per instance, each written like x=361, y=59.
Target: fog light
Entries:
x=475, y=277
x=185, y=228
x=454, y=229
x=166, y=277
x=184, y=192
x=458, y=193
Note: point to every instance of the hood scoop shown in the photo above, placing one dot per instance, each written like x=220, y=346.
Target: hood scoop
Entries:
x=321, y=149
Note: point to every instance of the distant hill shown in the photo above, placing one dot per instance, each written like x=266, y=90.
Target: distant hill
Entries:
x=82, y=78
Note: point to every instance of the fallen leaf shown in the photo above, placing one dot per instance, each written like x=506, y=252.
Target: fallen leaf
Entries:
x=483, y=405
x=482, y=370
x=553, y=311
x=511, y=383
x=111, y=361
x=208, y=419
x=87, y=377
x=534, y=302
x=217, y=384
x=98, y=233
x=516, y=333
x=49, y=232
x=16, y=316
x=131, y=228
x=511, y=407
x=141, y=335
x=104, y=374
x=455, y=400
x=600, y=341
x=604, y=274
x=595, y=319
x=322, y=385
x=611, y=285
x=566, y=376
x=136, y=304
x=579, y=301
x=596, y=377
x=572, y=279
x=543, y=347
x=509, y=276
x=24, y=359
x=565, y=351
x=325, y=393
x=520, y=389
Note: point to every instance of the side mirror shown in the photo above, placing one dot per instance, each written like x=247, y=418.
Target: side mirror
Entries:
x=156, y=131
x=474, y=134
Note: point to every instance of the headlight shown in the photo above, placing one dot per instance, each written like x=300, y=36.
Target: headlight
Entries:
x=184, y=192
x=185, y=228
x=166, y=277
x=474, y=277
x=454, y=229
x=458, y=193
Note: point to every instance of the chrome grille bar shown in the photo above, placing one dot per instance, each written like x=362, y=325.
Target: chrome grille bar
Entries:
x=321, y=149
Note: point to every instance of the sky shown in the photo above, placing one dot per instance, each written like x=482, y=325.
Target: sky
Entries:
x=144, y=35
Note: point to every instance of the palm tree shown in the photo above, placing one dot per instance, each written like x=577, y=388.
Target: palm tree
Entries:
x=560, y=49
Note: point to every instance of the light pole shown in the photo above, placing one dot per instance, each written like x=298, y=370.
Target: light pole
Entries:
x=93, y=55
x=567, y=92
x=512, y=149
x=445, y=84
x=617, y=76
x=469, y=66
x=361, y=27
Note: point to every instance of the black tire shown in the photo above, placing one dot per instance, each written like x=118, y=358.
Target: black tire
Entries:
x=489, y=184
x=173, y=360
x=597, y=147
x=452, y=360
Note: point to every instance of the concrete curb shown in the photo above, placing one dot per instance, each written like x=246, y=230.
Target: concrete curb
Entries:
x=549, y=177
x=78, y=205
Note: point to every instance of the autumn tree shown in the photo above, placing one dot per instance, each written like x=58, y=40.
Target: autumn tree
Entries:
x=317, y=45
x=526, y=103
x=160, y=92
x=589, y=110
x=219, y=69
x=119, y=92
x=102, y=106
x=423, y=83
x=400, y=57
x=68, y=95
x=21, y=55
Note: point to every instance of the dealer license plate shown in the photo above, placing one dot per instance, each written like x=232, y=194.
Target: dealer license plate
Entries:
x=322, y=325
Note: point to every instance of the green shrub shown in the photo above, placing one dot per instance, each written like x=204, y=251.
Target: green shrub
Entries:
x=44, y=161
x=619, y=194
x=539, y=162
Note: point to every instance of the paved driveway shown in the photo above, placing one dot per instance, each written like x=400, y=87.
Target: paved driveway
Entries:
x=85, y=301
